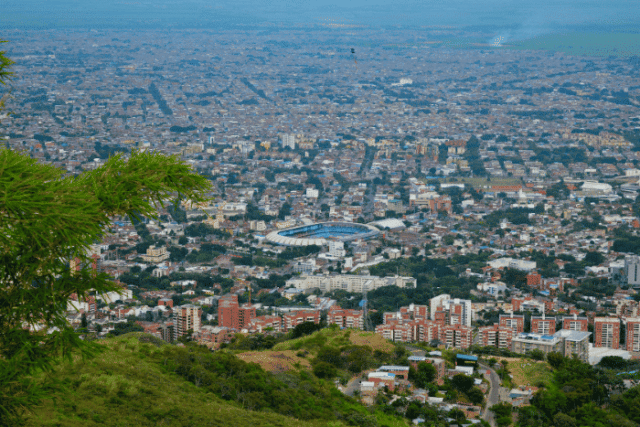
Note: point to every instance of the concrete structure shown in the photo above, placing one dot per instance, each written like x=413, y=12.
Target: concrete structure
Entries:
x=155, y=255
x=513, y=321
x=289, y=140
x=575, y=323
x=448, y=311
x=350, y=283
x=345, y=318
x=543, y=325
x=397, y=332
x=232, y=315
x=336, y=249
x=496, y=336
x=607, y=332
x=185, y=318
x=518, y=264
x=320, y=234
x=439, y=364
x=632, y=269
x=262, y=323
x=294, y=318
x=574, y=343
x=527, y=342
x=458, y=336
x=399, y=371
x=633, y=334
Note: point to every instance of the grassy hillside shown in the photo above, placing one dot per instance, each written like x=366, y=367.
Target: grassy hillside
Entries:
x=334, y=337
x=140, y=381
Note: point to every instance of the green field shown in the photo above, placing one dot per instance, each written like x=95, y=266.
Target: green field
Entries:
x=584, y=44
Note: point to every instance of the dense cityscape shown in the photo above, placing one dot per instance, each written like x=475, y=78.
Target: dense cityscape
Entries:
x=471, y=208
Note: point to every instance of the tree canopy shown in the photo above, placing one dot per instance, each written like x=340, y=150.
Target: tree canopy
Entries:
x=47, y=220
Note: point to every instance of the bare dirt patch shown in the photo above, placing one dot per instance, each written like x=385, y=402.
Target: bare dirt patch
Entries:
x=376, y=342
x=276, y=361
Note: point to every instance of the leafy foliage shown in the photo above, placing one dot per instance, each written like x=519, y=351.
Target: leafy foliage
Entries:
x=47, y=219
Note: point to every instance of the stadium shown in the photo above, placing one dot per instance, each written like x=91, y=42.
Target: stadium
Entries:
x=320, y=234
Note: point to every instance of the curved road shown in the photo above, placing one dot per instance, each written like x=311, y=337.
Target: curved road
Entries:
x=494, y=394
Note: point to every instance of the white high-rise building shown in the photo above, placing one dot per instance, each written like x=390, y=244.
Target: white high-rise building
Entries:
x=289, y=140
x=632, y=269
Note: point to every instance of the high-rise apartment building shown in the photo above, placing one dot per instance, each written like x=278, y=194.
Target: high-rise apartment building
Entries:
x=496, y=336
x=607, y=332
x=513, y=321
x=543, y=325
x=448, y=311
x=633, y=334
x=575, y=323
x=632, y=269
x=233, y=315
x=186, y=317
x=289, y=140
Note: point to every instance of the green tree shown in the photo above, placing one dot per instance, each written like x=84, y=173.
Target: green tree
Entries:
x=502, y=412
x=423, y=375
x=5, y=74
x=555, y=359
x=462, y=382
x=47, y=219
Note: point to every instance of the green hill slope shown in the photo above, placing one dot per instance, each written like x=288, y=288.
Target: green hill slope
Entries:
x=140, y=381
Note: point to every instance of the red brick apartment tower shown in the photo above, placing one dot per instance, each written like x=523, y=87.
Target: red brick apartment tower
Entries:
x=543, y=325
x=513, y=321
x=496, y=336
x=232, y=315
x=575, y=323
x=458, y=336
x=345, y=318
x=228, y=311
x=534, y=280
x=246, y=313
x=633, y=334
x=607, y=332
x=426, y=330
x=295, y=318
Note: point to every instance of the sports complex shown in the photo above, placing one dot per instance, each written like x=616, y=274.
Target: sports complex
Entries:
x=320, y=234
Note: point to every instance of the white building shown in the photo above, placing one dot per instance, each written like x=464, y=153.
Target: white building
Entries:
x=518, y=264
x=336, y=249
x=312, y=193
x=632, y=269
x=289, y=140
x=593, y=187
x=349, y=283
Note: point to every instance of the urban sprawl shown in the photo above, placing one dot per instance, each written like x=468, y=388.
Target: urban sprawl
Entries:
x=483, y=201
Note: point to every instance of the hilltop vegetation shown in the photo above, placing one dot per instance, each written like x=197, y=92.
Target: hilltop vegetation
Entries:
x=140, y=380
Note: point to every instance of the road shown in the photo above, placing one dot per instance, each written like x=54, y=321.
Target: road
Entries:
x=494, y=394
x=352, y=386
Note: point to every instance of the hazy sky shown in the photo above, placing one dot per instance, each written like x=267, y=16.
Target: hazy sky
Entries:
x=516, y=19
